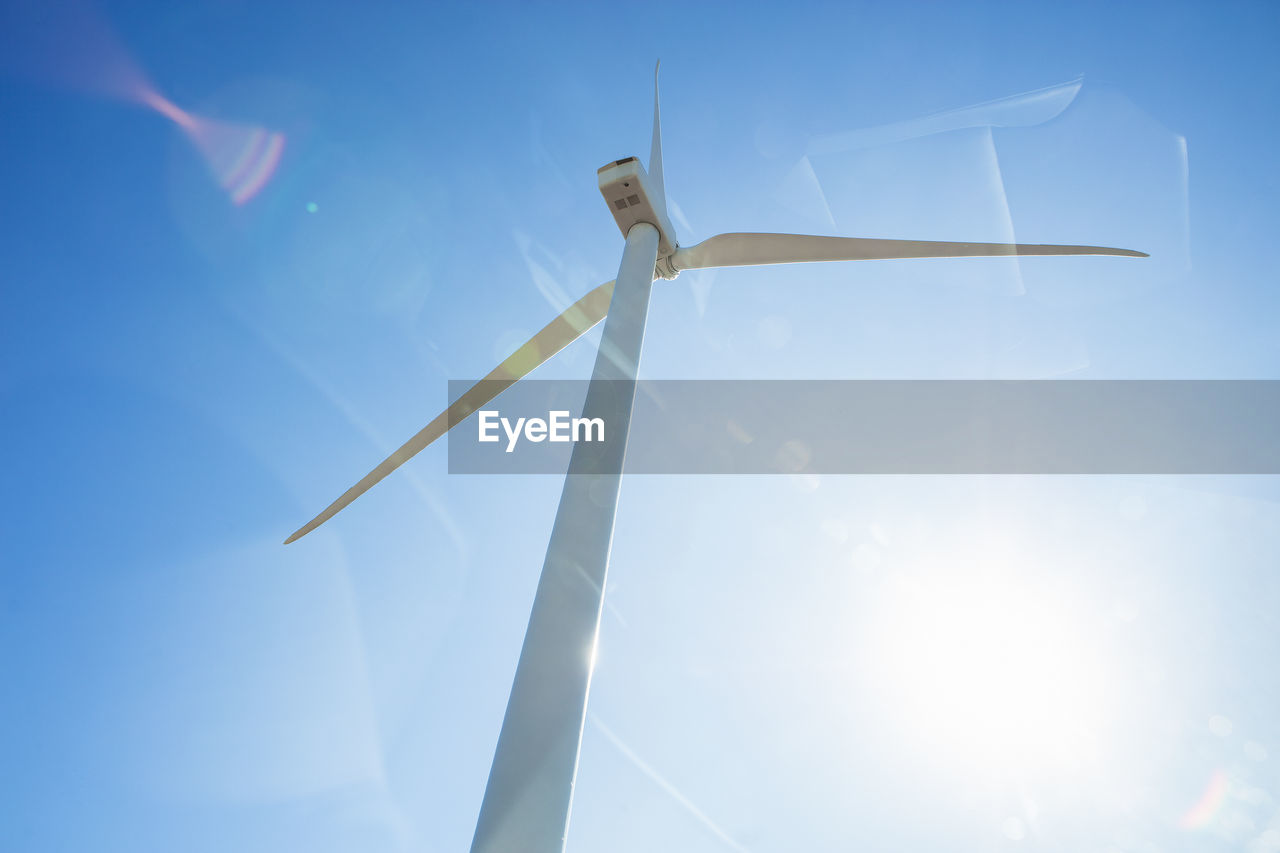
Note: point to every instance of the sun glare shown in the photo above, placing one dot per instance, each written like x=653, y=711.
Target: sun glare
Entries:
x=985, y=668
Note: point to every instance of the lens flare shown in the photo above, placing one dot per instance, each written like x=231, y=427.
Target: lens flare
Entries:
x=242, y=157
x=76, y=48
x=1207, y=807
x=69, y=44
x=168, y=109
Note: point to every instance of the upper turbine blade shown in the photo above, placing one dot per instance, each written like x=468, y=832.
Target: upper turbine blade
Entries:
x=655, y=149
x=555, y=336
x=733, y=250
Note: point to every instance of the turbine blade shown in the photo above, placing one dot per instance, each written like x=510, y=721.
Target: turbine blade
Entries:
x=733, y=250
x=655, y=149
x=576, y=320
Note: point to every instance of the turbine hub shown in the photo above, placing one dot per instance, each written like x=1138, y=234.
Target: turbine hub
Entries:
x=666, y=268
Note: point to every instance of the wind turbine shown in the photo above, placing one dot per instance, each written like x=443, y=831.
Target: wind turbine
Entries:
x=528, y=796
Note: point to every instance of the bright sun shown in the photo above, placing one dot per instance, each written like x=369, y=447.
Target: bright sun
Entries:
x=986, y=668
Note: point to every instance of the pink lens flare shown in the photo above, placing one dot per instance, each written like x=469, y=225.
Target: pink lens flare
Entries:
x=1206, y=808
x=75, y=46
x=241, y=157
x=70, y=44
x=168, y=109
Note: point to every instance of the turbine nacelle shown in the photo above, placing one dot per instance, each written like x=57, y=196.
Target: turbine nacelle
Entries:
x=632, y=198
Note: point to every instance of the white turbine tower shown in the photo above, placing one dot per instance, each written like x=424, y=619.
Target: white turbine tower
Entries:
x=530, y=788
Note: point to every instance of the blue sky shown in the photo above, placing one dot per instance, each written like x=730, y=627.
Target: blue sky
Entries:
x=879, y=663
